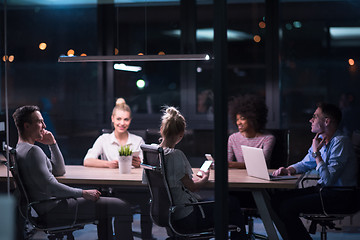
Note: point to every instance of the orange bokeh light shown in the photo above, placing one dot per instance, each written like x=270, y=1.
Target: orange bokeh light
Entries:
x=70, y=52
x=257, y=38
x=161, y=53
x=351, y=62
x=42, y=46
x=262, y=24
x=10, y=58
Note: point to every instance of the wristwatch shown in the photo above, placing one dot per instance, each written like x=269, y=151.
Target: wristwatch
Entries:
x=315, y=154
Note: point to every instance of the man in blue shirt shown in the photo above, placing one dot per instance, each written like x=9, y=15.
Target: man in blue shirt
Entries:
x=332, y=156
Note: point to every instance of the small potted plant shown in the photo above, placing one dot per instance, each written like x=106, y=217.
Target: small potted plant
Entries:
x=125, y=159
x=125, y=151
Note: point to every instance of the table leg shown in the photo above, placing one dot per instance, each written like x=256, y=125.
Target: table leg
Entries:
x=262, y=203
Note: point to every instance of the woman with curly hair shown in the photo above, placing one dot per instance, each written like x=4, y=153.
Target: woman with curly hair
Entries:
x=249, y=113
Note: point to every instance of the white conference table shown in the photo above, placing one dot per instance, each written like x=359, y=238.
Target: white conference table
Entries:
x=237, y=178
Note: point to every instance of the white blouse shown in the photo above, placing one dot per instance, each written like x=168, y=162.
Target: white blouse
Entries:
x=107, y=147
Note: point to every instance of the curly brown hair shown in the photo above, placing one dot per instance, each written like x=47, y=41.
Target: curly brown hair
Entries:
x=251, y=107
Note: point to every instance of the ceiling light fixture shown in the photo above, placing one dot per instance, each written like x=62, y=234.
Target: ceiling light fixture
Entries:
x=135, y=58
x=124, y=67
x=344, y=32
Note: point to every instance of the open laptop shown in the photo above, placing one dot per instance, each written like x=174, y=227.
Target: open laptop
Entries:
x=256, y=165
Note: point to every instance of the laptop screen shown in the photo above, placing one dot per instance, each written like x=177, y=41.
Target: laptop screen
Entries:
x=256, y=165
x=255, y=162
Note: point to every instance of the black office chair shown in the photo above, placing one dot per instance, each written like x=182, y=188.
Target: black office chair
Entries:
x=281, y=151
x=162, y=206
x=326, y=218
x=27, y=211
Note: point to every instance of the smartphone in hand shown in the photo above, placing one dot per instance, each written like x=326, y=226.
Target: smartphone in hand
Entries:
x=206, y=165
x=135, y=154
x=209, y=157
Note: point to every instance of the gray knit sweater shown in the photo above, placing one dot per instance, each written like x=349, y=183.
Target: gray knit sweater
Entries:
x=38, y=173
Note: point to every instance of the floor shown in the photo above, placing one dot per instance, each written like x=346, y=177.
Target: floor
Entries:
x=89, y=232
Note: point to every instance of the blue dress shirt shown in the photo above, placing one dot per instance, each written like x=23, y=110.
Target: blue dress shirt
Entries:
x=339, y=166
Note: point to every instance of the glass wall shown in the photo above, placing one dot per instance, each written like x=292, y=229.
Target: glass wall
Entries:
x=142, y=30
x=315, y=63
x=319, y=55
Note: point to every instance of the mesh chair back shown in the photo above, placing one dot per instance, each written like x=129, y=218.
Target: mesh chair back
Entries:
x=281, y=150
x=24, y=200
x=155, y=172
x=23, y=197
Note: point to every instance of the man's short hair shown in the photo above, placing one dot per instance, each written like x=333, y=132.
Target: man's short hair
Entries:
x=331, y=111
x=23, y=115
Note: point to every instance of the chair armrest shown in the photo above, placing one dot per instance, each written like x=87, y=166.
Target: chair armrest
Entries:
x=53, y=199
x=191, y=204
x=149, y=167
x=32, y=204
x=199, y=203
x=305, y=178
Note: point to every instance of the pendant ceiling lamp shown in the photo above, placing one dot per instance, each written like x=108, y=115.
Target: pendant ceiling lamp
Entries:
x=135, y=58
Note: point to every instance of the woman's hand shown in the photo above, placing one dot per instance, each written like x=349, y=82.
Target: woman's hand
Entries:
x=136, y=161
x=196, y=183
x=204, y=176
x=113, y=164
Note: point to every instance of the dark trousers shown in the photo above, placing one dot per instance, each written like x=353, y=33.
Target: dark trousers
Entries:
x=238, y=201
x=196, y=221
x=289, y=204
x=139, y=200
x=102, y=210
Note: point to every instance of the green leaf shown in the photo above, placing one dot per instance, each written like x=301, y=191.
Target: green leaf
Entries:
x=125, y=151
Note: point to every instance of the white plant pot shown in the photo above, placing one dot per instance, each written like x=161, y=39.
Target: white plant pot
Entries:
x=125, y=163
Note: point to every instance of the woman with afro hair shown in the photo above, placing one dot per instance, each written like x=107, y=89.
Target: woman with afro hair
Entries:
x=249, y=113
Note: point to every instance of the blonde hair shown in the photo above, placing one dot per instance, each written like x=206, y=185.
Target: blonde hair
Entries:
x=120, y=104
x=172, y=123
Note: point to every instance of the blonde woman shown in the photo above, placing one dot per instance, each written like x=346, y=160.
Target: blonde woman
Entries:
x=105, y=153
x=181, y=181
x=106, y=147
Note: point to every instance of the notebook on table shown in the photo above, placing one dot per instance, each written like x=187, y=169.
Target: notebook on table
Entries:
x=256, y=165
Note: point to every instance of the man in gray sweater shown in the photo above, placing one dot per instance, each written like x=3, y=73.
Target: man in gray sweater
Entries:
x=39, y=172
